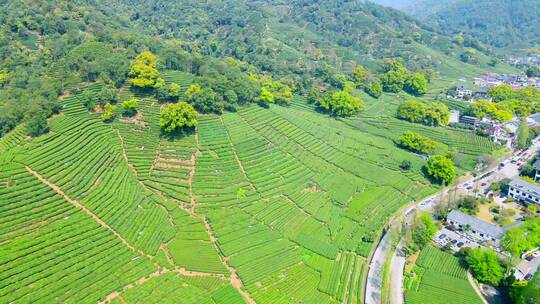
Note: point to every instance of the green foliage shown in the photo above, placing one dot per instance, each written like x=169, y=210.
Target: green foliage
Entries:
x=441, y=169
x=360, y=75
x=517, y=240
x=89, y=100
x=170, y=92
x=528, y=294
x=416, y=143
x=130, y=106
x=341, y=103
x=485, y=266
x=421, y=230
x=497, y=22
x=498, y=111
x=107, y=95
x=405, y=165
x=416, y=84
x=108, y=112
x=37, y=125
x=432, y=114
x=143, y=71
x=175, y=116
x=205, y=100
x=374, y=89
x=523, y=135
x=275, y=92
x=501, y=92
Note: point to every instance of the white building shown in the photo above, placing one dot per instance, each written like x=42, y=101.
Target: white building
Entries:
x=462, y=91
x=474, y=227
x=524, y=191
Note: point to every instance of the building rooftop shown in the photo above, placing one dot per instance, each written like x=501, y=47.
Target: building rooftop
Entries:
x=536, y=164
x=475, y=224
x=535, y=118
x=525, y=186
x=482, y=90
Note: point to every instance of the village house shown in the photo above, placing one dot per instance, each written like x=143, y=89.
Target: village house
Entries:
x=462, y=91
x=481, y=93
x=524, y=191
x=475, y=228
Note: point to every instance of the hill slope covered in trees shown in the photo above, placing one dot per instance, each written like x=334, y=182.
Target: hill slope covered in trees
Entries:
x=500, y=23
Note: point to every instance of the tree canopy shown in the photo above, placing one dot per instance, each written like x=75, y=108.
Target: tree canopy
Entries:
x=432, y=114
x=441, y=169
x=485, y=266
x=130, y=106
x=175, y=116
x=417, y=143
x=341, y=103
x=501, y=92
x=143, y=71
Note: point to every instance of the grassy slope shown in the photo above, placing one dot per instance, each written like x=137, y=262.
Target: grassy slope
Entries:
x=311, y=188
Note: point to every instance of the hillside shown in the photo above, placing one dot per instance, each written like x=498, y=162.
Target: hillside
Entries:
x=214, y=152
x=500, y=23
x=277, y=199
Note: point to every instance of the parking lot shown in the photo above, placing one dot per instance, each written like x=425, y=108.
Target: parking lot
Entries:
x=457, y=241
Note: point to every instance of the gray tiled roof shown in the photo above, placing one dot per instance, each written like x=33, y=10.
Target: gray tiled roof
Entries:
x=536, y=165
x=524, y=185
x=535, y=117
x=476, y=224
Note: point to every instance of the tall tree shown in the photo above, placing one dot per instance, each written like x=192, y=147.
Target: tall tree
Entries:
x=143, y=72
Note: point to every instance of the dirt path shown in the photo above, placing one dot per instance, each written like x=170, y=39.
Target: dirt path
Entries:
x=192, y=172
x=83, y=208
x=236, y=282
x=476, y=288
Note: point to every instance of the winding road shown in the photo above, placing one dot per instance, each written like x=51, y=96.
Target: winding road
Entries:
x=373, y=293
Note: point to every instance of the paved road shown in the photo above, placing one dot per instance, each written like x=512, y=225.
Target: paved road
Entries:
x=376, y=266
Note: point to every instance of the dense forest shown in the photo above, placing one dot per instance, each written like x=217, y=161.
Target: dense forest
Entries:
x=51, y=47
x=499, y=23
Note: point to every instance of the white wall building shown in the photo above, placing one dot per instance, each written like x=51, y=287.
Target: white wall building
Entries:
x=524, y=191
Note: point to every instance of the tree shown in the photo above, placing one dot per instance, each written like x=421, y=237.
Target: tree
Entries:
x=37, y=124
x=485, y=266
x=441, y=169
x=143, y=70
x=89, y=100
x=169, y=92
x=360, y=75
x=501, y=92
x=341, y=103
x=405, y=165
x=130, y=106
x=374, y=89
x=416, y=84
x=497, y=111
x=266, y=96
x=515, y=241
x=108, y=114
x=393, y=81
x=421, y=230
x=432, y=114
x=523, y=136
x=175, y=116
x=416, y=143
x=173, y=91
x=107, y=95
x=276, y=92
x=528, y=294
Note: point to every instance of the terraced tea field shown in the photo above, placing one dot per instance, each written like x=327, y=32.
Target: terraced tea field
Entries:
x=277, y=205
x=441, y=279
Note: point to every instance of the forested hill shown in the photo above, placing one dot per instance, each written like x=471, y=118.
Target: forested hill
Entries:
x=48, y=48
x=501, y=23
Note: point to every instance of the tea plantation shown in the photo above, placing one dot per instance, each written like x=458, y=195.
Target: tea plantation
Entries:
x=265, y=205
x=440, y=278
